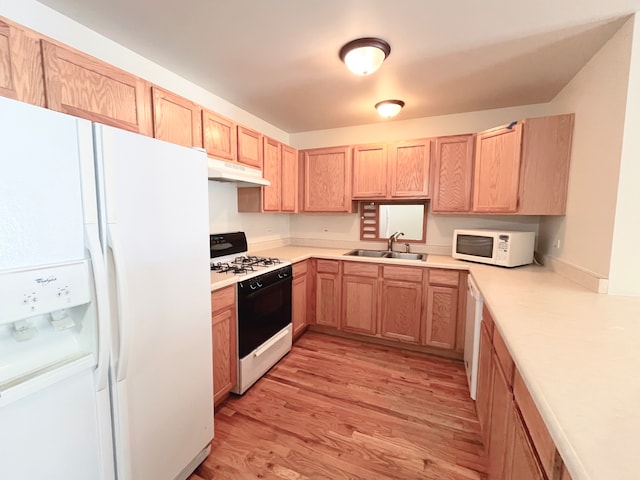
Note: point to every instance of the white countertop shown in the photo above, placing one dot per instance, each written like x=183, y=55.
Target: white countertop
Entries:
x=577, y=351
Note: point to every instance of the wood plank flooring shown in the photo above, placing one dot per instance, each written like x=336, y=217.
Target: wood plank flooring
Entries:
x=335, y=408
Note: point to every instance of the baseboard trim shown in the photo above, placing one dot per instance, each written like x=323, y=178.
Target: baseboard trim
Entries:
x=579, y=275
x=453, y=355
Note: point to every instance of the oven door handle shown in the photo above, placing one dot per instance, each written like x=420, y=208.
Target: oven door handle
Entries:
x=248, y=294
x=266, y=346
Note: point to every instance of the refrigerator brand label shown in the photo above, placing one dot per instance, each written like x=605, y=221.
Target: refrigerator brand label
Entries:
x=46, y=281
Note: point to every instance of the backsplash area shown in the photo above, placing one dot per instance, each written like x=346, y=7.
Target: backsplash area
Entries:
x=344, y=229
x=224, y=217
x=337, y=230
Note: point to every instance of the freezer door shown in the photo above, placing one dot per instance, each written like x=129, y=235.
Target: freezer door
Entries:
x=155, y=201
x=40, y=193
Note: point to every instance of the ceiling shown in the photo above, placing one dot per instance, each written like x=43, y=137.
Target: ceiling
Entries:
x=278, y=59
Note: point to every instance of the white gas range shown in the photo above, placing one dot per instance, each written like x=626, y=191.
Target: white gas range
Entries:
x=264, y=305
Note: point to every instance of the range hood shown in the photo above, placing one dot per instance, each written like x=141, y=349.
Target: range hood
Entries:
x=220, y=171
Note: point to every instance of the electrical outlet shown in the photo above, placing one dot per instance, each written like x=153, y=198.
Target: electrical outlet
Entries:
x=556, y=244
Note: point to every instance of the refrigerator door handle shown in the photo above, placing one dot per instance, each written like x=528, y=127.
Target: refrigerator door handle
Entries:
x=92, y=241
x=122, y=305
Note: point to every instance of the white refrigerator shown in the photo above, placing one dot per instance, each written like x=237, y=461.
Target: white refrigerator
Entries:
x=105, y=321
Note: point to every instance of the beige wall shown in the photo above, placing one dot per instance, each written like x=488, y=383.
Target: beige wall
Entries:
x=598, y=96
x=417, y=128
x=624, y=272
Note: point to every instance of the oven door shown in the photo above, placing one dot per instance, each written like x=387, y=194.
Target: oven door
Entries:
x=262, y=313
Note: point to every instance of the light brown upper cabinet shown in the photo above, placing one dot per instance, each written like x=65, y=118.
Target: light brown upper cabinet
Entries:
x=409, y=169
x=497, y=169
x=219, y=136
x=21, y=74
x=452, y=174
x=325, y=180
x=289, y=179
x=272, y=158
x=524, y=168
x=280, y=167
x=249, y=147
x=394, y=170
x=176, y=119
x=370, y=171
x=83, y=86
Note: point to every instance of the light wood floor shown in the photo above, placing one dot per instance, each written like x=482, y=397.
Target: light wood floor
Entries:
x=340, y=409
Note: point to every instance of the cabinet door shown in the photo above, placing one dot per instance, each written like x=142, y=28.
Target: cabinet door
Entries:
x=359, y=304
x=502, y=407
x=442, y=316
x=370, y=171
x=21, y=74
x=453, y=173
x=409, y=164
x=223, y=332
x=249, y=147
x=289, y=178
x=327, y=299
x=88, y=88
x=176, y=119
x=497, y=170
x=400, y=313
x=521, y=462
x=271, y=195
x=484, y=391
x=327, y=180
x=218, y=136
x=299, y=303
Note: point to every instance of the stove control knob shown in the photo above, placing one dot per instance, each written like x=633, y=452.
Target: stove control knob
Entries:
x=253, y=286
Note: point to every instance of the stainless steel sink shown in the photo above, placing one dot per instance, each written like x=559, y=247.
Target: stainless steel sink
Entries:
x=367, y=253
x=406, y=256
x=385, y=254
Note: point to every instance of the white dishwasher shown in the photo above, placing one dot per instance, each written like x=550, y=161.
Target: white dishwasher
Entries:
x=472, y=334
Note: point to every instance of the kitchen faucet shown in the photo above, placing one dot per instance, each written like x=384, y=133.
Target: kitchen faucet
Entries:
x=392, y=239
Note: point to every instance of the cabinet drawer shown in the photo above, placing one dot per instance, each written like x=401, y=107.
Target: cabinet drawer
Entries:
x=444, y=277
x=360, y=269
x=538, y=432
x=504, y=357
x=299, y=268
x=328, y=266
x=409, y=274
x=223, y=298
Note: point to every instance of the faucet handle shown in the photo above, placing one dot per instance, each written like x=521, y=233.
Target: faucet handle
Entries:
x=407, y=248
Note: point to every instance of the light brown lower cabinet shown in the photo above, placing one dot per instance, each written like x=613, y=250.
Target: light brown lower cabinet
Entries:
x=484, y=392
x=327, y=298
x=501, y=410
x=442, y=319
x=519, y=444
x=391, y=302
x=299, y=297
x=360, y=298
x=401, y=294
x=520, y=460
x=223, y=333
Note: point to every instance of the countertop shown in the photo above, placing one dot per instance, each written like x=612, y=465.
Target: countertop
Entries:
x=577, y=351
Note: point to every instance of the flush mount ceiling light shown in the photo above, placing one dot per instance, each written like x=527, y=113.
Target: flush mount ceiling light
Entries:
x=389, y=108
x=364, y=55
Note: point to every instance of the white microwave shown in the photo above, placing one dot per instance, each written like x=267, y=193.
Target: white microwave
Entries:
x=495, y=247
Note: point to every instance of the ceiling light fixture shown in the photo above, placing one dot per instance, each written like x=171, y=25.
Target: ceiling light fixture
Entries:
x=389, y=108
x=364, y=55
